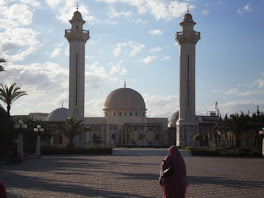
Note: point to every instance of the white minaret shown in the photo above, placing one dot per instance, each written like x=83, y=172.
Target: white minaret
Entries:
x=187, y=124
x=77, y=38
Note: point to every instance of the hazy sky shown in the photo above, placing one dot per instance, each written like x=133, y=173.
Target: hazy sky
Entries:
x=133, y=40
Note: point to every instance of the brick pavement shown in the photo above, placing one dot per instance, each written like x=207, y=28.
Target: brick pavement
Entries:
x=129, y=176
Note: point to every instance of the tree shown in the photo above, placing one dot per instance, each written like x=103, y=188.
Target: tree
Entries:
x=238, y=125
x=7, y=133
x=241, y=124
x=199, y=138
x=2, y=67
x=257, y=119
x=9, y=94
x=72, y=128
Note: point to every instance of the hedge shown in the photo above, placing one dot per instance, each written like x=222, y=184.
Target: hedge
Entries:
x=241, y=152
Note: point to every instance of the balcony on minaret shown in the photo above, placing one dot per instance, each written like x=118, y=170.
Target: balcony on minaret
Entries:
x=77, y=34
x=187, y=37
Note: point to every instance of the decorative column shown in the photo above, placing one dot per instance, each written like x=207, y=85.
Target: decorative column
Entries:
x=261, y=133
x=38, y=130
x=187, y=124
x=77, y=38
x=20, y=147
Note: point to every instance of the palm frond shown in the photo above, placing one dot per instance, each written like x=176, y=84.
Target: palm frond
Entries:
x=72, y=128
x=2, y=60
x=9, y=94
x=2, y=68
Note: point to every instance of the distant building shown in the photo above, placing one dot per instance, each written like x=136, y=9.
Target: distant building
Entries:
x=39, y=116
x=125, y=121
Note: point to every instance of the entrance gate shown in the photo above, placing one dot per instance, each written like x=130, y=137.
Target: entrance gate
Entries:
x=139, y=135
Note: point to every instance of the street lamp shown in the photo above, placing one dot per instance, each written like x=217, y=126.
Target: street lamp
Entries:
x=38, y=130
x=262, y=133
x=21, y=126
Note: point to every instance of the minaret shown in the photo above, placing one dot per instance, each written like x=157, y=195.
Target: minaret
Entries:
x=77, y=38
x=187, y=124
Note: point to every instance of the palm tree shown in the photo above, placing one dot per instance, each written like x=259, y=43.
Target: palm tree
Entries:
x=238, y=125
x=257, y=119
x=9, y=94
x=7, y=133
x=72, y=128
x=2, y=67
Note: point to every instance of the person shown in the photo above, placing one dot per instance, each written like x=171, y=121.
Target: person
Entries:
x=175, y=185
x=2, y=191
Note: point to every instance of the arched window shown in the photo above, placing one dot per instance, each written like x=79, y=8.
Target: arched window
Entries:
x=57, y=139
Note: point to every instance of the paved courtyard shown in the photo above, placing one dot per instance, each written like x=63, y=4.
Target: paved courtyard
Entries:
x=132, y=173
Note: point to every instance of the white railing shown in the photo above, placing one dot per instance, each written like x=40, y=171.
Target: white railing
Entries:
x=194, y=33
x=68, y=31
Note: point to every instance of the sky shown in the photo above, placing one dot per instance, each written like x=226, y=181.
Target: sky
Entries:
x=134, y=40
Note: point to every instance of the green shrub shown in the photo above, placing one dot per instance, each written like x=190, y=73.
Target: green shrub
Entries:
x=204, y=151
x=256, y=152
x=241, y=152
x=187, y=148
x=197, y=137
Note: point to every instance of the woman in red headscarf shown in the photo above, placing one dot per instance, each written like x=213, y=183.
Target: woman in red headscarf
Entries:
x=175, y=185
x=2, y=191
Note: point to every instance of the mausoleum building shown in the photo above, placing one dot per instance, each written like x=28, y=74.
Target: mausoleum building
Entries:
x=125, y=121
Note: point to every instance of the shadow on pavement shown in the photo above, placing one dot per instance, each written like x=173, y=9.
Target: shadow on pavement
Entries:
x=145, y=152
x=14, y=177
x=222, y=181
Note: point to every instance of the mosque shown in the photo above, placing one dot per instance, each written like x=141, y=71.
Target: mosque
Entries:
x=125, y=122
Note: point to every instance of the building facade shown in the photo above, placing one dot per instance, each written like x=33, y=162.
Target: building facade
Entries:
x=125, y=121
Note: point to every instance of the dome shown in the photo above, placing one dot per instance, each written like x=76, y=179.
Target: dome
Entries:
x=174, y=118
x=187, y=17
x=77, y=15
x=125, y=98
x=58, y=115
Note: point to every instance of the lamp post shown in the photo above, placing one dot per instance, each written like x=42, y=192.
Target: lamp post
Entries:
x=21, y=126
x=262, y=135
x=38, y=130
